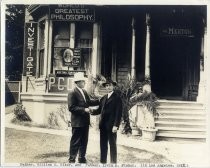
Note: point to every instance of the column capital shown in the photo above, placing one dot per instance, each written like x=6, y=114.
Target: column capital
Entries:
x=133, y=22
x=147, y=19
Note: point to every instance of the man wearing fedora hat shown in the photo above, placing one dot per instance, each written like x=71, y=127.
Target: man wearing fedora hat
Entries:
x=78, y=105
x=110, y=110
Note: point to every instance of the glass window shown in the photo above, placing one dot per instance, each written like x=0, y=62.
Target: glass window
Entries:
x=61, y=34
x=61, y=46
x=84, y=40
x=61, y=42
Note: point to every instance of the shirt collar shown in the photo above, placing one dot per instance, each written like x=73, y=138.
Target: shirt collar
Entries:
x=79, y=89
x=110, y=93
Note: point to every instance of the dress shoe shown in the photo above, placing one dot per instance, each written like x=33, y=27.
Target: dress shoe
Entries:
x=82, y=160
x=71, y=160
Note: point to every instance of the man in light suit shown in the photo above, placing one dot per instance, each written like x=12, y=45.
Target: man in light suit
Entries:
x=110, y=110
x=78, y=105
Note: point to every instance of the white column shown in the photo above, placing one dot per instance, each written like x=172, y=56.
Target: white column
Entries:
x=50, y=48
x=114, y=68
x=133, y=55
x=72, y=38
x=46, y=33
x=147, y=50
x=72, y=35
x=95, y=50
x=202, y=83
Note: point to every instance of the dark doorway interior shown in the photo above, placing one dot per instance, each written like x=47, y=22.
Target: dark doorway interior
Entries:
x=168, y=67
x=175, y=51
x=116, y=43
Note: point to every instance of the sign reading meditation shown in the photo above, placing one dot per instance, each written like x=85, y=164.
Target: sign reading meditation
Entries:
x=72, y=13
x=175, y=31
x=30, y=45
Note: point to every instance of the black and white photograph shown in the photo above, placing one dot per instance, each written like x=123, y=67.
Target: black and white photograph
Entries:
x=94, y=84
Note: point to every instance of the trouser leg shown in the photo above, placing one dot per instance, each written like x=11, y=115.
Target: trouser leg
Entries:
x=74, y=143
x=83, y=144
x=103, y=145
x=113, y=146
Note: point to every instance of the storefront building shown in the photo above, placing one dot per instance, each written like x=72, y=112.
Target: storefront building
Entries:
x=165, y=43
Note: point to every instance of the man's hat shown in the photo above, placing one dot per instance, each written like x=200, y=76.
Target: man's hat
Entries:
x=108, y=81
x=79, y=76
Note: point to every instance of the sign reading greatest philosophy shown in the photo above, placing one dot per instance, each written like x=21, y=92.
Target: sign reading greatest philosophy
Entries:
x=72, y=13
x=30, y=45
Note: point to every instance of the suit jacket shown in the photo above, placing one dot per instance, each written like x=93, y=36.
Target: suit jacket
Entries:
x=110, y=110
x=77, y=105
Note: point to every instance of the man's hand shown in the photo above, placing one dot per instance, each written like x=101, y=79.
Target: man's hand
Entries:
x=87, y=110
x=90, y=110
x=114, y=129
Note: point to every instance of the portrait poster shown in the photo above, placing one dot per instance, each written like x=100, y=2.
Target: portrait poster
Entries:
x=105, y=84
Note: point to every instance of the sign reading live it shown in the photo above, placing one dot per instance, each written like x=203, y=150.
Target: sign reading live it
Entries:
x=30, y=45
x=72, y=13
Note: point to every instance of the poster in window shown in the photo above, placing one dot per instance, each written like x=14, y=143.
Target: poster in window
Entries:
x=67, y=57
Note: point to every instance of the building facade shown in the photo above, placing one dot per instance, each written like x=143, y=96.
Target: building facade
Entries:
x=165, y=43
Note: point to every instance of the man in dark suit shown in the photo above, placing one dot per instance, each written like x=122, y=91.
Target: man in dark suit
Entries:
x=110, y=110
x=78, y=105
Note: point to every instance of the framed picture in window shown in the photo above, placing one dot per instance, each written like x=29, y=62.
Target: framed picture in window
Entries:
x=67, y=57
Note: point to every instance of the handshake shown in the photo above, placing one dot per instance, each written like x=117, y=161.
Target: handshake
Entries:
x=89, y=110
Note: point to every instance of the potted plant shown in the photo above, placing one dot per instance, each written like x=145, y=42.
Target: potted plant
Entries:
x=127, y=90
x=147, y=108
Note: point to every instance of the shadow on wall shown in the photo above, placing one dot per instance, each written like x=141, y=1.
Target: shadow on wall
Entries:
x=11, y=97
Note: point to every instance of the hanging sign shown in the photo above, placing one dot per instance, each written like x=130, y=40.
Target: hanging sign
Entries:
x=72, y=13
x=30, y=46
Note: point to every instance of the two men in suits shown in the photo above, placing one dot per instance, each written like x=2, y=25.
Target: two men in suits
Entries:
x=78, y=105
x=110, y=110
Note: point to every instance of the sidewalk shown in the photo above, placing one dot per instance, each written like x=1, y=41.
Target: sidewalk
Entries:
x=192, y=153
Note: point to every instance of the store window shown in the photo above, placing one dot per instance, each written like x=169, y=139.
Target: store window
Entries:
x=41, y=48
x=76, y=58
x=84, y=40
x=61, y=37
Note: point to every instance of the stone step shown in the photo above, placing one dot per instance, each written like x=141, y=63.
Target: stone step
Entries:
x=181, y=129
x=180, y=103
x=180, y=135
x=180, y=124
x=180, y=108
x=182, y=114
x=181, y=118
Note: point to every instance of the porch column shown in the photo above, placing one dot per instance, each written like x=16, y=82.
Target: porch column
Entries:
x=95, y=50
x=46, y=41
x=202, y=83
x=72, y=35
x=72, y=39
x=147, y=50
x=49, y=48
x=114, y=67
x=133, y=56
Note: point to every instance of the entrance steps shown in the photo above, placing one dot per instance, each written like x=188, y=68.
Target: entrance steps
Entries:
x=181, y=120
